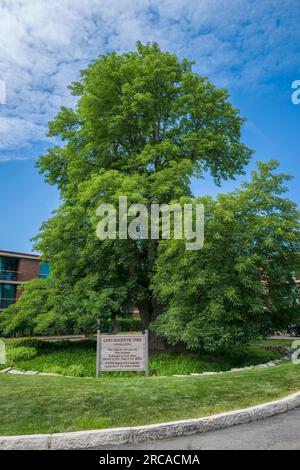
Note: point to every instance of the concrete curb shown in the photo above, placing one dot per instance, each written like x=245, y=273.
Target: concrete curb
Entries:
x=117, y=436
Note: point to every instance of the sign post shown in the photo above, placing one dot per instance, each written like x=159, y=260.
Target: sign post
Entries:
x=98, y=351
x=122, y=352
x=146, y=354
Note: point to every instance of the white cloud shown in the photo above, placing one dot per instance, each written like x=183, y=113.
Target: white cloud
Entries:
x=44, y=44
x=15, y=133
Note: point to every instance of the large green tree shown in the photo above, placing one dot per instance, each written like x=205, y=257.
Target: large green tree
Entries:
x=143, y=126
x=241, y=285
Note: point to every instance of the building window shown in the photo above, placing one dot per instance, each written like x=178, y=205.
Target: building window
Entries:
x=44, y=270
x=8, y=268
x=7, y=295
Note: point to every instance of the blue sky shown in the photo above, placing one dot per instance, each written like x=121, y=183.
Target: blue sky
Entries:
x=252, y=47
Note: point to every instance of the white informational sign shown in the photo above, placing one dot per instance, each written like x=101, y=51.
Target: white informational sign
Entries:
x=2, y=353
x=123, y=352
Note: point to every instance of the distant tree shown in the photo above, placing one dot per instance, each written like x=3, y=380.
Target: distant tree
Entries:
x=47, y=307
x=241, y=284
x=33, y=313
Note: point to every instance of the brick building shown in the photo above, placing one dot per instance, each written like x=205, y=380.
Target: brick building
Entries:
x=15, y=269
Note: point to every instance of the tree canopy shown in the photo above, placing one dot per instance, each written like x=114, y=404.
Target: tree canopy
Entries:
x=144, y=124
x=241, y=285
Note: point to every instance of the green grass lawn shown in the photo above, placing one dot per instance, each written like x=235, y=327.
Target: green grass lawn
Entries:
x=78, y=359
x=58, y=404
x=279, y=342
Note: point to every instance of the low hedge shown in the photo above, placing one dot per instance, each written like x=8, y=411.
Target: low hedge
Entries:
x=130, y=324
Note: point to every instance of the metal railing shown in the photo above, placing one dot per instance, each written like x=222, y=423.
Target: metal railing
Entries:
x=6, y=302
x=43, y=276
x=6, y=275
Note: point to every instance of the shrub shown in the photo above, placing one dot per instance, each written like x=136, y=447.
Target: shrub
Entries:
x=130, y=323
x=24, y=342
x=76, y=370
x=20, y=354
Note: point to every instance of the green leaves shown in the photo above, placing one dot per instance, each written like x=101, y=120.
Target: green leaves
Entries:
x=143, y=125
x=32, y=313
x=142, y=112
x=241, y=284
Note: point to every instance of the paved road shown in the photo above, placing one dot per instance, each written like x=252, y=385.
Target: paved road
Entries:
x=280, y=432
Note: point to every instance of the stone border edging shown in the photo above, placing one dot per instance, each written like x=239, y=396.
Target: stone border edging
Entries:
x=117, y=436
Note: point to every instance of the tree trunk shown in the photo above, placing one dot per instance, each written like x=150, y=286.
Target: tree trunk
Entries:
x=113, y=319
x=145, y=313
x=149, y=310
